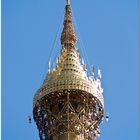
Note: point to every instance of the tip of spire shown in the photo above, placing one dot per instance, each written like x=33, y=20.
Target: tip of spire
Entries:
x=68, y=2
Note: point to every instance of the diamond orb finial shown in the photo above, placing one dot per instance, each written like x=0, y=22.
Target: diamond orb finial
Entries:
x=68, y=2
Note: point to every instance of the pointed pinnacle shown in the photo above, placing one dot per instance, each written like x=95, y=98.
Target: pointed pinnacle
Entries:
x=68, y=36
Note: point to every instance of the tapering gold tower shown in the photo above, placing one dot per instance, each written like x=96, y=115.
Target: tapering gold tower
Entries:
x=69, y=105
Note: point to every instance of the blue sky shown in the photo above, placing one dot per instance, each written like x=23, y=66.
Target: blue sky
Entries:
x=108, y=29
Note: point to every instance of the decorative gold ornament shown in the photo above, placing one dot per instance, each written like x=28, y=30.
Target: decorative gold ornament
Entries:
x=69, y=105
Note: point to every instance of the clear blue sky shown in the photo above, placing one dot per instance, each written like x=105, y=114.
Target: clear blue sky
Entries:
x=109, y=31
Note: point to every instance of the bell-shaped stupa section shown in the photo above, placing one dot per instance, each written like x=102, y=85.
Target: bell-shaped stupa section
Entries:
x=69, y=73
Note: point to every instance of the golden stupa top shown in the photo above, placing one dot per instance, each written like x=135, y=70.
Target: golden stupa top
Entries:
x=70, y=72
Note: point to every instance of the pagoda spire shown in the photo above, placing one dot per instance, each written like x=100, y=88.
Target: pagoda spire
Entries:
x=69, y=105
x=68, y=36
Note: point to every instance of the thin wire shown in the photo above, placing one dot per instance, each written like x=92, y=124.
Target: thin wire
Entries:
x=51, y=52
x=55, y=38
x=81, y=41
x=84, y=50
